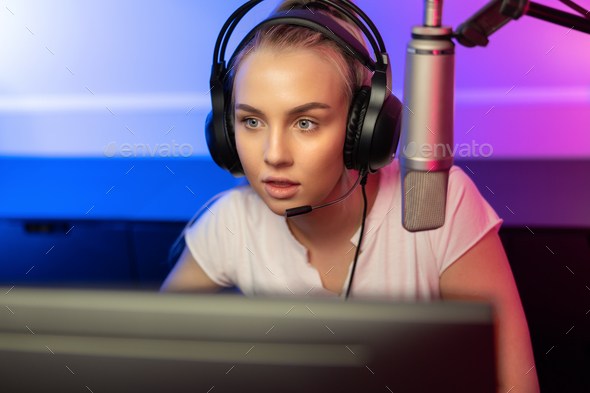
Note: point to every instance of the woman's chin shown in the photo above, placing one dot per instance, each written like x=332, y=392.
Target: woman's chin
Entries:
x=279, y=207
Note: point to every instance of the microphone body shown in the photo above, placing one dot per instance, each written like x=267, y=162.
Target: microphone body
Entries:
x=427, y=127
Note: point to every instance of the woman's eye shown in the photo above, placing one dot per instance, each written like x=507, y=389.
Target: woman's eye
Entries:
x=307, y=125
x=249, y=124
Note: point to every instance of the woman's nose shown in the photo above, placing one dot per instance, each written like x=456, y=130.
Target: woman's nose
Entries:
x=277, y=149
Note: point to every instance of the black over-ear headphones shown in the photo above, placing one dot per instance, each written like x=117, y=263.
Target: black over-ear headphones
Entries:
x=374, y=117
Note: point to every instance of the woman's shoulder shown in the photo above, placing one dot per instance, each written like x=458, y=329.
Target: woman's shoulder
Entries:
x=236, y=197
x=237, y=200
x=244, y=194
x=391, y=170
x=229, y=208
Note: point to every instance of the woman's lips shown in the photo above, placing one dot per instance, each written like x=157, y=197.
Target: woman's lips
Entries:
x=281, y=190
x=280, y=184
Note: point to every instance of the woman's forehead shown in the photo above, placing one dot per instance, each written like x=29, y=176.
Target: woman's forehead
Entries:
x=288, y=76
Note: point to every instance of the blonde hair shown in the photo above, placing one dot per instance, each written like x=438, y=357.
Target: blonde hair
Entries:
x=287, y=38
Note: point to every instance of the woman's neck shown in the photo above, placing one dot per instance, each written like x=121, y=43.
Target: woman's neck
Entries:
x=336, y=224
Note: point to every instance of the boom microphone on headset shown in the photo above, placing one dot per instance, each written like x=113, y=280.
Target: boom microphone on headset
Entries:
x=307, y=208
x=427, y=122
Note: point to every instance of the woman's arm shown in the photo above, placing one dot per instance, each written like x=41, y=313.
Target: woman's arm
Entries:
x=188, y=276
x=483, y=273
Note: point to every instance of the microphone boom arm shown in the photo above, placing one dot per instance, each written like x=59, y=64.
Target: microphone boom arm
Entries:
x=308, y=208
x=495, y=14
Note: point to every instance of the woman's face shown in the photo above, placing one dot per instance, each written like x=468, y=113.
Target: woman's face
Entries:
x=290, y=122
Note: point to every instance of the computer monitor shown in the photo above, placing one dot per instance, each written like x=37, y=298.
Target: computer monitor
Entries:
x=66, y=340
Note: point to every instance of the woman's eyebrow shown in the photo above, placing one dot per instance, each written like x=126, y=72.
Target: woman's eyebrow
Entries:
x=297, y=109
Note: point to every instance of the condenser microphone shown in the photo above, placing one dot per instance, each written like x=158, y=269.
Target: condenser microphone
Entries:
x=307, y=208
x=427, y=122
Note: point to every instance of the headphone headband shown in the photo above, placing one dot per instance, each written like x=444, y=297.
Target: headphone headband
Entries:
x=316, y=22
x=321, y=23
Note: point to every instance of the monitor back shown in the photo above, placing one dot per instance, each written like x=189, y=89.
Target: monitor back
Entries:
x=64, y=340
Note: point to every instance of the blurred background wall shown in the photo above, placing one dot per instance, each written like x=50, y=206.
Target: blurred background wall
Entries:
x=80, y=79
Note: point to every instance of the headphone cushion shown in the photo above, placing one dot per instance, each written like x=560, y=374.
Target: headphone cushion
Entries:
x=354, y=125
x=236, y=165
x=230, y=129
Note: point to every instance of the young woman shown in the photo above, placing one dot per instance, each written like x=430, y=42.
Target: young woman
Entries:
x=292, y=88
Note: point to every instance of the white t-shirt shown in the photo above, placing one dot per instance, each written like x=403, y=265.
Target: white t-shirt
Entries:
x=241, y=242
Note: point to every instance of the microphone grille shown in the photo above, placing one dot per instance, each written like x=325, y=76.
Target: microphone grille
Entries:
x=424, y=198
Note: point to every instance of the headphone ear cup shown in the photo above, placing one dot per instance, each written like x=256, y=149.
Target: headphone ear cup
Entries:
x=386, y=135
x=354, y=126
x=212, y=140
x=219, y=132
x=230, y=128
x=229, y=124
